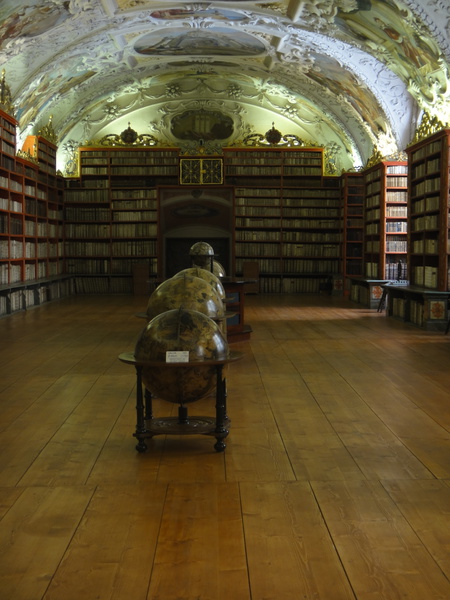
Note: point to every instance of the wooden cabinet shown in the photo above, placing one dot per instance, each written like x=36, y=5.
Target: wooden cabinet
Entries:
x=429, y=212
x=386, y=220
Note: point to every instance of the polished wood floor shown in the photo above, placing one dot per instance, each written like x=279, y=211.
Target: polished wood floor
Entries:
x=335, y=484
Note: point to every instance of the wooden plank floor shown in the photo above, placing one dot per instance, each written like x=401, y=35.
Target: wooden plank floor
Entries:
x=335, y=484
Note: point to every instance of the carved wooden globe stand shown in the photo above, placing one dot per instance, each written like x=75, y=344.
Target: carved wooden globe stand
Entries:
x=176, y=335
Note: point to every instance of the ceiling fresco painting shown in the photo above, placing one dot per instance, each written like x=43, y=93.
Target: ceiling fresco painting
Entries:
x=212, y=41
x=354, y=76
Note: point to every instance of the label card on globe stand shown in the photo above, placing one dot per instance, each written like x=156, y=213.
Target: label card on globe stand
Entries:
x=177, y=356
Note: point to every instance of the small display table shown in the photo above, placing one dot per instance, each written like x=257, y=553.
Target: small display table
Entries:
x=147, y=426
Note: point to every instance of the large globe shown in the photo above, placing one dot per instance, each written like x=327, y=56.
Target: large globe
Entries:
x=180, y=330
x=209, y=277
x=218, y=269
x=186, y=292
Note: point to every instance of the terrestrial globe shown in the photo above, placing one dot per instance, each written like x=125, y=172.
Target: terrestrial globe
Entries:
x=186, y=292
x=205, y=274
x=181, y=330
x=218, y=269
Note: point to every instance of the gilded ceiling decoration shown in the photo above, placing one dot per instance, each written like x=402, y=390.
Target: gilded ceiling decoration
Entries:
x=354, y=76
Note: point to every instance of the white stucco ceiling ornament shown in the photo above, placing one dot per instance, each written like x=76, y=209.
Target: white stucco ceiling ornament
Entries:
x=71, y=58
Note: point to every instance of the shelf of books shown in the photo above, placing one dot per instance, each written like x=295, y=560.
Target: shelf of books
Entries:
x=111, y=215
x=30, y=228
x=286, y=217
x=385, y=214
x=352, y=199
x=425, y=301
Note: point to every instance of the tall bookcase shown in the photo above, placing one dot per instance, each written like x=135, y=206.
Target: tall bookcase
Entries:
x=386, y=220
x=31, y=231
x=111, y=215
x=425, y=301
x=352, y=200
x=286, y=216
x=429, y=212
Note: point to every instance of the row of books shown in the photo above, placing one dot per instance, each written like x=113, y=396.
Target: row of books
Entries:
x=426, y=246
x=396, y=211
x=142, y=204
x=397, y=182
x=426, y=150
x=426, y=168
x=103, y=285
x=396, y=227
x=106, y=266
x=130, y=153
x=396, y=196
x=287, y=236
x=396, y=271
x=86, y=195
x=129, y=248
x=425, y=222
x=372, y=246
x=312, y=250
x=428, y=185
x=425, y=276
x=105, y=230
x=133, y=194
x=430, y=203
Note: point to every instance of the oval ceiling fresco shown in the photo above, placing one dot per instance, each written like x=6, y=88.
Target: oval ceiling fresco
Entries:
x=214, y=41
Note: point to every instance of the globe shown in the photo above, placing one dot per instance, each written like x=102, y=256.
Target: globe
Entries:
x=201, y=254
x=218, y=269
x=187, y=292
x=212, y=279
x=180, y=330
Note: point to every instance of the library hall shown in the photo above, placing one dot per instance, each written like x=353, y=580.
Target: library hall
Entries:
x=224, y=300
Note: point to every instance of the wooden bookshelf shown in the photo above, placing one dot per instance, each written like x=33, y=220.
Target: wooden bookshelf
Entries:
x=386, y=220
x=286, y=216
x=429, y=212
x=31, y=230
x=425, y=302
x=111, y=215
x=352, y=200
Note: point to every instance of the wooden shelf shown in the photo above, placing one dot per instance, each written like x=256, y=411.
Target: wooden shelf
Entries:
x=385, y=220
x=429, y=212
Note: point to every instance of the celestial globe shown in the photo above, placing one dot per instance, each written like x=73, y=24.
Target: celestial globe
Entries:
x=201, y=254
x=180, y=330
x=187, y=292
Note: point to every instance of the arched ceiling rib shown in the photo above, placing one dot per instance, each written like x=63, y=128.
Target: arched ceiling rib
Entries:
x=347, y=74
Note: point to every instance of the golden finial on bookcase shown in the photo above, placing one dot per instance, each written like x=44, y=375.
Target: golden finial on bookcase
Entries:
x=428, y=125
x=5, y=96
x=375, y=158
x=48, y=132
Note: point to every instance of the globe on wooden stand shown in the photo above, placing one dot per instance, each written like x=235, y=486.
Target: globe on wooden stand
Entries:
x=202, y=255
x=207, y=275
x=180, y=330
x=188, y=292
x=218, y=270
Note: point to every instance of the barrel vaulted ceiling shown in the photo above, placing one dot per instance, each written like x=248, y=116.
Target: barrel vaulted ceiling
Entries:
x=354, y=76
